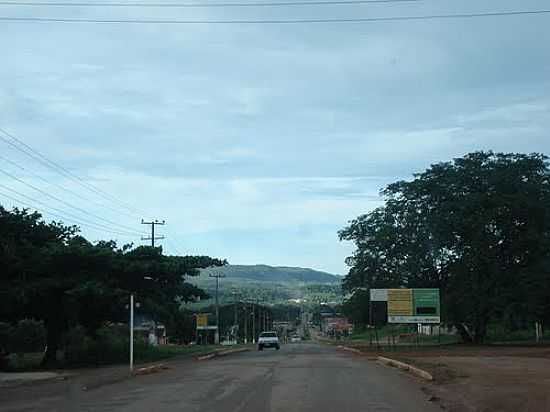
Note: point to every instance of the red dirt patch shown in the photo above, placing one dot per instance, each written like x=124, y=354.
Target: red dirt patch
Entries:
x=483, y=378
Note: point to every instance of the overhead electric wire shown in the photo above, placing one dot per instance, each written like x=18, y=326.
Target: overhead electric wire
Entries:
x=125, y=228
x=65, y=189
x=172, y=244
x=25, y=148
x=60, y=213
x=277, y=21
x=29, y=151
x=204, y=5
x=35, y=155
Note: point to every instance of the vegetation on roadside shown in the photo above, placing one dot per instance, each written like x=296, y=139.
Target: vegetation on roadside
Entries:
x=271, y=292
x=477, y=228
x=110, y=345
x=53, y=275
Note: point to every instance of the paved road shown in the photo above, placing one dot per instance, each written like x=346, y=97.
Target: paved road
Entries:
x=304, y=377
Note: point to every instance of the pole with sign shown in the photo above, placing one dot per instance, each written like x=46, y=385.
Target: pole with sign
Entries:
x=410, y=305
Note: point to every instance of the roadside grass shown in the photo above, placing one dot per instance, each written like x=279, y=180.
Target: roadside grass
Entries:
x=401, y=335
x=432, y=340
x=24, y=362
x=501, y=335
x=144, y=354
x=27, y=362
x=404, y=334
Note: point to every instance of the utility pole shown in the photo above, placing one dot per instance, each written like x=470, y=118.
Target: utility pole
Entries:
x=253, y=323
x=153, y=223
x=245, y=323
x=236, y=318
x=152, y=239
x=217, y=335
x=131, y=332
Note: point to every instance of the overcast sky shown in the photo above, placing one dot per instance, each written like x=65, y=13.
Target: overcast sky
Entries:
x=257, y=143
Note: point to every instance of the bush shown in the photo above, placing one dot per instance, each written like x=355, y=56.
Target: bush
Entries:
x=21, y=345
x=6, y=331
x=109, y=345
x=29, y=335
x=76, y=345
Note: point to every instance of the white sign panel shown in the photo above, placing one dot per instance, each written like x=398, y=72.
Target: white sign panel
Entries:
x=379, y=295
x=414, y=319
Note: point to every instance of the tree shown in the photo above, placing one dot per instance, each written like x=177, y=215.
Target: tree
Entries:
x=476, y=227
x=54, y=274
x=356, y=308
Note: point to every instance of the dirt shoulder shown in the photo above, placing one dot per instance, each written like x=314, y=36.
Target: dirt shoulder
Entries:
x=89, y=378
x=482, y=378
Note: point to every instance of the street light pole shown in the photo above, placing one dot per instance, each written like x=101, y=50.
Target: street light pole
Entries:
x=217, y=334
x=131, y=332
x=132, y=326
x=236, y=319
x=253, y=324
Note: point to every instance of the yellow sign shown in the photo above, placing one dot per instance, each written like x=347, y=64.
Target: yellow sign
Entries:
x=202, y=320
x=400, y=302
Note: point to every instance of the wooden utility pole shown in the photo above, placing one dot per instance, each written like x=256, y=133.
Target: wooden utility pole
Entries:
x=217, y=335
x=153, y=223
x=245, y=323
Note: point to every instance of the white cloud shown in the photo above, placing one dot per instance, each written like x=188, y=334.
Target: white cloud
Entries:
x=235, y=134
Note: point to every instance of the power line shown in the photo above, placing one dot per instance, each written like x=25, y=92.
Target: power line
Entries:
x=276, y=21
x=173, y=244
x=35, y=155
x=60, y=213
x=66, y=203
x=37, y=176
x=29, y=151
x=205, y=5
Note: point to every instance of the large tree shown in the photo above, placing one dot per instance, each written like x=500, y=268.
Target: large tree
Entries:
x=476, y=227
x=53, y=274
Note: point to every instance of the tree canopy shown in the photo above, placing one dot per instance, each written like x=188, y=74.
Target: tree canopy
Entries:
x=476, y=227
x=51, y=273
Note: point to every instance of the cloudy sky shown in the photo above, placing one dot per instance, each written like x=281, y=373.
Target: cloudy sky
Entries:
x=257, y=143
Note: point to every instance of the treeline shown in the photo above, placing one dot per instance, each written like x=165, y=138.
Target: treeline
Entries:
x=477, y=227
x=258, y=317
x=50, y=273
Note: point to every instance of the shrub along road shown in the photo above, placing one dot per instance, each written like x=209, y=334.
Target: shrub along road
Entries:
x=300, y=377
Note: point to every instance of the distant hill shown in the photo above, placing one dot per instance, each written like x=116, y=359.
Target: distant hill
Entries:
x=264, y=273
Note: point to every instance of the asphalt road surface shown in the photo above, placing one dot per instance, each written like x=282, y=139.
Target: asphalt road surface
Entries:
x=305, y=377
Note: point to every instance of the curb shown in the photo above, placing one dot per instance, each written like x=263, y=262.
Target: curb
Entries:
x=206, y=357
x=406, y=367
x=220, y=353
x=348, y=349
x=150, y=369
x=12, y=383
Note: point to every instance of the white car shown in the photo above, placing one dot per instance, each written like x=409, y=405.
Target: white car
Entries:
x=295, y=339
x=268, y=340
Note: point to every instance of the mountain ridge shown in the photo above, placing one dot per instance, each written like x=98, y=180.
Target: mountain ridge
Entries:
x=267, y=273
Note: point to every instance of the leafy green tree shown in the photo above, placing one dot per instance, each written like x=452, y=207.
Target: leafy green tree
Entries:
x=356, y=308
x=53, y=274
x=476, y=227
x=28, y=335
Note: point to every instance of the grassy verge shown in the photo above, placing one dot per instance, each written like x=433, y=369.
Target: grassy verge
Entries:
x=26, y=362
x=23, y=362
x=155, y=353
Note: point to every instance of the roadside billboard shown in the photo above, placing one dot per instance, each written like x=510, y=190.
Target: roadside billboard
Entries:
x=410, y=305
x=202, y=320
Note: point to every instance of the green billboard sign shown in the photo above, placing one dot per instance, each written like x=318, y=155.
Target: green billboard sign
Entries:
x=412, y=305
